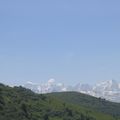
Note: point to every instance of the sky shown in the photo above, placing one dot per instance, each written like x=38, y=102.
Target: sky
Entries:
x=70, y=41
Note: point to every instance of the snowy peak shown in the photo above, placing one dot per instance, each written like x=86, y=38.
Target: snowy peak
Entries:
x=48, y=87
x=82, y=87
x=109, y=85
x=109, y=90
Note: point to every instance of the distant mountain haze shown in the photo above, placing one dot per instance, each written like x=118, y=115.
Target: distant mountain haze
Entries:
x=109, y=89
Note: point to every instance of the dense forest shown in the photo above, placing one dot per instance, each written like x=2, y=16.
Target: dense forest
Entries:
x=18, y=103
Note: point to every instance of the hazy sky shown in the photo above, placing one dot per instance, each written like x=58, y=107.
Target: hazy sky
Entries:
x=69, y=40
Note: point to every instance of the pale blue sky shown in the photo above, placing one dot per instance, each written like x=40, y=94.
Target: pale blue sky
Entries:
x=69, y=40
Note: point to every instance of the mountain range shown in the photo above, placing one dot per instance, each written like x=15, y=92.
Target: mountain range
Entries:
x=109, y=89
x=18, y=103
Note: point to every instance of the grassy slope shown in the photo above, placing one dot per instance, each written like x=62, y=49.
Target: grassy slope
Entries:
x=22, y=104
x=97, y=104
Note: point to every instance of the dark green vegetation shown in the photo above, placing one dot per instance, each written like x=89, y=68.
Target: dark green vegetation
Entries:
x=19, y=103
x=84, y=100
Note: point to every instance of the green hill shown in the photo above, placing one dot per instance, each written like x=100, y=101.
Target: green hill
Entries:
x=87, y=101
x=19, y=103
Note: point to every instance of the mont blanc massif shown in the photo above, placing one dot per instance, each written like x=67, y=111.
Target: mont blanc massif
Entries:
x=109, y=89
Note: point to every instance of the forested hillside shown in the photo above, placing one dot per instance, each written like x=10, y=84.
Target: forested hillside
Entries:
x=19, y=103
x=94, y=103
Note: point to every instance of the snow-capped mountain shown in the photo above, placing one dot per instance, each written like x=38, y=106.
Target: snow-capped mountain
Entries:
x=83, y=88
x=109, y=85
x=50, y=86
x=109, y=89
